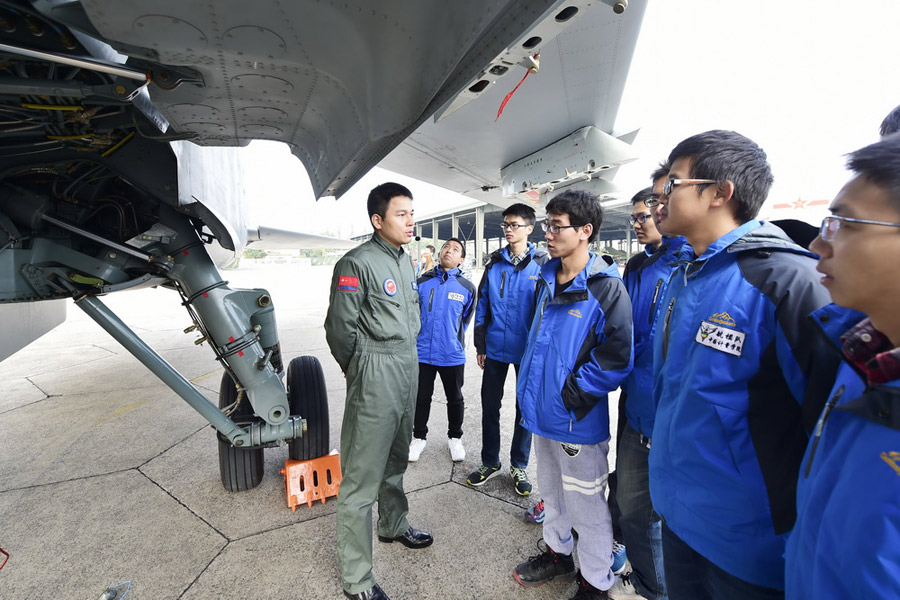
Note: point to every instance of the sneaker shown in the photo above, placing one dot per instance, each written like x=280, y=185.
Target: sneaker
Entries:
x=543, y=567
x=535, y=514
x=586, y=591
x=623, y=589
x=619, y=558
x=520, y=481
x=484, y=472
x=415, y=449
x=457, y=452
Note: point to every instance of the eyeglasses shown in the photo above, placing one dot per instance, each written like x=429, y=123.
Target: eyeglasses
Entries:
x=555, y=229
x=514, y=226
x=833, y=223
x=641, y=218
x=672, y=183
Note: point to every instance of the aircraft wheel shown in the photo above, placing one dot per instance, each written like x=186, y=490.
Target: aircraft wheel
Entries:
x=307, y=397
x=240, y=469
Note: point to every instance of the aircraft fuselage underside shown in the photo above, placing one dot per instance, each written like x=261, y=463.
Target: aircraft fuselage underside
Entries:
x=89, y=205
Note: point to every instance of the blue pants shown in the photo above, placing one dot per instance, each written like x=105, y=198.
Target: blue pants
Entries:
x=641, y=526
x=690, y=576
x=491, y=394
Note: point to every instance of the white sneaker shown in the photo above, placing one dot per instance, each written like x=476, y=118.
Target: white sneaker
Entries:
x=415, y=449
x=457, y=452
x=622, y=589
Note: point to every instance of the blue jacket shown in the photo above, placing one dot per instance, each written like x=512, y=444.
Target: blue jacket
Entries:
x=740, y=375
x=446, y=299
x=506, y=304
x=578, y=350
x=646, y=278
x=846, y=543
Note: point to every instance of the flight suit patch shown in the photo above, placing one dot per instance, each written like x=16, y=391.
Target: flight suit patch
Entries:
x=390, y=287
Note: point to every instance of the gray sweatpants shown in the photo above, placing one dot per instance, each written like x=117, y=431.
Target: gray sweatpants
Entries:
x=574, y=493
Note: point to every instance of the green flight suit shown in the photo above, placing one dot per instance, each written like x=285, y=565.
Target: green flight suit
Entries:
x=371, y=329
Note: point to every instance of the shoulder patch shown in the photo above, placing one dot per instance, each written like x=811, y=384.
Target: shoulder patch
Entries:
x=348, y=284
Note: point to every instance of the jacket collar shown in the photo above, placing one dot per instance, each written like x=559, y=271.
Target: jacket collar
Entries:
x=439, y=273
x=379, y=241
x=602, y=265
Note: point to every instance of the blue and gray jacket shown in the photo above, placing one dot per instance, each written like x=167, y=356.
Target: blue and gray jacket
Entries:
x=740, y=376
x=646, y=277
x=446, y=299
x=506, y=304
x=578, y=350
x=846, y=543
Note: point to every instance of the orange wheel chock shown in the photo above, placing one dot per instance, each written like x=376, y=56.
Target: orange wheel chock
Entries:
x=311, y=480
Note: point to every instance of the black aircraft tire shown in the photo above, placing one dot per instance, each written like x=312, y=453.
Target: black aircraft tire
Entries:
x=240, y=469
x=307, y=398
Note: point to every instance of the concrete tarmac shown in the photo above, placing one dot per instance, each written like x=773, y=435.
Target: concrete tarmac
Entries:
x=109, y=479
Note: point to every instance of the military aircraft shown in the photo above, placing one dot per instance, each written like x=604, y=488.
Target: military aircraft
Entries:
x=119, y=119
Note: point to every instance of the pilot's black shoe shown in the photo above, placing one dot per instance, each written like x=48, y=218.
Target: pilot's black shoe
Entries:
x=373, y=593
x=413, y=538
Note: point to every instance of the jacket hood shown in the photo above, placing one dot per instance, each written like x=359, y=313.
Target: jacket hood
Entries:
x=768, y=237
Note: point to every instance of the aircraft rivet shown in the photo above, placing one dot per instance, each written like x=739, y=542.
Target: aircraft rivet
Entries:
x=120, y=89
x=239, y=442
x=111, y=255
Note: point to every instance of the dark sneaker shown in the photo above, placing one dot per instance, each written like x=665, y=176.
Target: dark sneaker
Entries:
x=535, y=514
x=520, y=481
x=544, y=567
x=483, y=473
x=586, y=591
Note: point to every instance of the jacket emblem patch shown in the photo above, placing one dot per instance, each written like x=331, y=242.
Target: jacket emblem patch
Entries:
x=723, y=339
x=891, y=459
x=348, y=284
x=575, y=312
x=456, y=296
x=723, y=318
x=390, y=287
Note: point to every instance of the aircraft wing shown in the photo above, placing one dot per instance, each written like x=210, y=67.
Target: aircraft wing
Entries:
x=555, y=130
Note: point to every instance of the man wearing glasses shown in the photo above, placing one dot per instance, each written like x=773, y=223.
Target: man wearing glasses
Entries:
x=502, y=316
x=740, y=375
x=646, y=276
x=850, y=478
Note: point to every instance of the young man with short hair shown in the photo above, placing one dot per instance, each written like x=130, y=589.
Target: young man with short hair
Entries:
x=578, y=350
x=371, y=329
x=502, y=315
x=446, y=302
x=739, y=375
x=846, y=543
x=646, y=277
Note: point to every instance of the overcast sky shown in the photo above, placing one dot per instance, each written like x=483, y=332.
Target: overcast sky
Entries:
x=808, y=80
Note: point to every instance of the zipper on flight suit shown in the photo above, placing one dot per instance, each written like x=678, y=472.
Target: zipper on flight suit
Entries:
x=665, y=347
x=820, y=426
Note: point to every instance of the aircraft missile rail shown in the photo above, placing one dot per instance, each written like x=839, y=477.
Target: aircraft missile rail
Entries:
x=255, y=435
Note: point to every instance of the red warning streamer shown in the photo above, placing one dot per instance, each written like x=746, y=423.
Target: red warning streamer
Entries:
x=530, y=70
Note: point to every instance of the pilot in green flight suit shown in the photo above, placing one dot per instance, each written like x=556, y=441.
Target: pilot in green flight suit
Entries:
x=371, y=328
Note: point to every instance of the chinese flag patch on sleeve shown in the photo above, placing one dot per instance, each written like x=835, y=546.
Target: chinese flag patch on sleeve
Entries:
x=348, y=284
